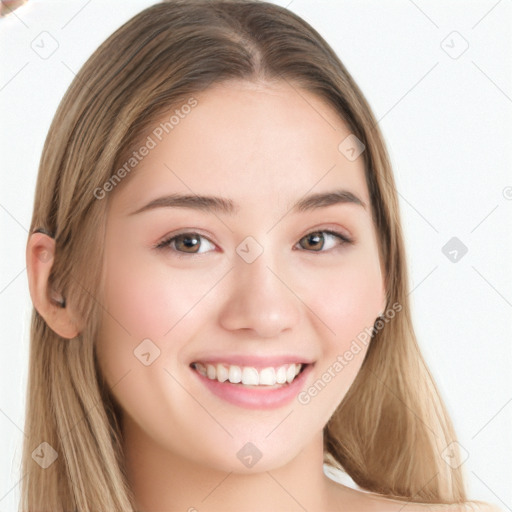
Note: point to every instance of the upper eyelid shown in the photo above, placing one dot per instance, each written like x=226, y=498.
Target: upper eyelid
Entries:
x=171, y=236
x=328, y=226
x=167, y=239
x=330, y=231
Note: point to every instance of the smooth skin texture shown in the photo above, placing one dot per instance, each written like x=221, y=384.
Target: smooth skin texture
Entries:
x=263, y=146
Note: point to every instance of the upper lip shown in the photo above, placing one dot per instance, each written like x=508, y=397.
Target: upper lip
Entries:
x=251, y=360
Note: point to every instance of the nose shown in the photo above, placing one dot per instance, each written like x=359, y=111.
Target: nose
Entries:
x=260, y=299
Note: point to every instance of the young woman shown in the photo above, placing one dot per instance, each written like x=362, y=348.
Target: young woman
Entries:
x=219, y=283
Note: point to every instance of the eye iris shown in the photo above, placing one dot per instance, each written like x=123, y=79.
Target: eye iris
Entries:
x=189, y=241
x=317, y=237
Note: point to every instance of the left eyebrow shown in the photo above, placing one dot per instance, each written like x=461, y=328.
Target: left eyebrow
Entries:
x=215, y=204
x=325, y=199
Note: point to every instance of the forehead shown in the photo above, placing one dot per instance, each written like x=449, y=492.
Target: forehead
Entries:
x=250, y=142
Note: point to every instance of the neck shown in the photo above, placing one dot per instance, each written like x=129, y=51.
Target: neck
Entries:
x=163, y=480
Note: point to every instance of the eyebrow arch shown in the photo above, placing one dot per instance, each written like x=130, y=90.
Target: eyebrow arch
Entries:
x=325, y=199
x=221, y=205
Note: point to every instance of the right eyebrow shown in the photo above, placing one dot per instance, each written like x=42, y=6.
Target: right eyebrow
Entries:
x=204, y=203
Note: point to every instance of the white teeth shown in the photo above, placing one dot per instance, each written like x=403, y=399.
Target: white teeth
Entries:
x=222, y=373
x=235, y=374
x=268, y=376
x=290, y=373
x=201, y=368
x=281, y=375
x=249, y=376
x=210, y=371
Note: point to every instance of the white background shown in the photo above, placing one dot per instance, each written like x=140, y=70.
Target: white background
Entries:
x=447, y=123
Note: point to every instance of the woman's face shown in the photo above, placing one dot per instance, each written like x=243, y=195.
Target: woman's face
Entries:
x=246, y=291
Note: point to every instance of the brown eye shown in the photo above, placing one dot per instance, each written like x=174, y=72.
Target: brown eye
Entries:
x=316, y=240
x=187, y=242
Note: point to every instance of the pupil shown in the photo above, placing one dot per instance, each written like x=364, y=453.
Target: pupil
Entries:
x=189, y=241
x=316, y=237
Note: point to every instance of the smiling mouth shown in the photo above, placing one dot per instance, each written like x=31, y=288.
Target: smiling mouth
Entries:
x=249, y=376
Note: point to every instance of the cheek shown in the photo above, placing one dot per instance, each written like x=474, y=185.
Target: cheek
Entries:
x=144, y=300
x=348, y=300
x=147, y=298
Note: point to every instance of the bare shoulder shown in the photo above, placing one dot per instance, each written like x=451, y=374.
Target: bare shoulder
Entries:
x=347, y=498
x=390, y=505
x=479, y=506
x=379, y=503
x=468, y=506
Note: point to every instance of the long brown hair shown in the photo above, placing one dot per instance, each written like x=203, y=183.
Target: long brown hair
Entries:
x=391, y=428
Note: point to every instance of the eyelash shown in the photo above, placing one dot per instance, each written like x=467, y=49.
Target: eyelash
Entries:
x=165, y=244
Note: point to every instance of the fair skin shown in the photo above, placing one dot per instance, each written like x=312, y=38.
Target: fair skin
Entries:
x=264, y=147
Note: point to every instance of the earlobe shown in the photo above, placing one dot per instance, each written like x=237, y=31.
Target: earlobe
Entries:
x=49, y=303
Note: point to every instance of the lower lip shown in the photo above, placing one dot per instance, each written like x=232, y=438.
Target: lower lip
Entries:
x=256, y=398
